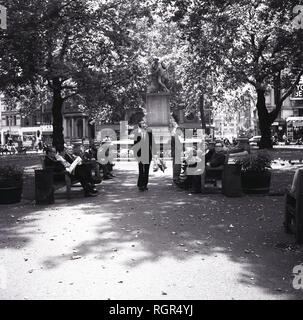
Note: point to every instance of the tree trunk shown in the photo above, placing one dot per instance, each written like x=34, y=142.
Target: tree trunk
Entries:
x=202, y=113
x=58, y=138
x=265, y=121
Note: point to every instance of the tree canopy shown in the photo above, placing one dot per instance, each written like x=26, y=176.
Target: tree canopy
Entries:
x=251, y=42
x=83, y=48
x=97, y=53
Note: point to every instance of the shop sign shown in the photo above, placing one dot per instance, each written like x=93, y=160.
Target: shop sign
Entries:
x=47, y=128
x=298, y=93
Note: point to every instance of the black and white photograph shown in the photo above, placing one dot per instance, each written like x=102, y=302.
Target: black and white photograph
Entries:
x=151, y=150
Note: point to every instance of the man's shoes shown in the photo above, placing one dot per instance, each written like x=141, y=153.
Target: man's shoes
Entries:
x=111, y=175
x=142, y=189
x=107, y=178
x=93, y=191
x=92, y=188
x=145, y=188
x=97, y=180
x=89, y=194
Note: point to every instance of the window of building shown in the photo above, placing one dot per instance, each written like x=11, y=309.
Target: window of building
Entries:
x=70, y=128
x=47, y=118
x=80, y=128
x=301, y=112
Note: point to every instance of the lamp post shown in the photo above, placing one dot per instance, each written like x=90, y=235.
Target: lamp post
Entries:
x=10, y=119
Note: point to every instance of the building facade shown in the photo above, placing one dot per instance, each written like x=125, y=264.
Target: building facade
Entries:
x=32, y=128
x=290, y=120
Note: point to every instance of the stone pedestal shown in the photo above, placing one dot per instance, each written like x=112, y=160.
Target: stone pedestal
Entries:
x=161, y=135
x=157, y=109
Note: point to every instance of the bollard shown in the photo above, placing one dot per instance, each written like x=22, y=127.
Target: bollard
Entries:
x=44, y=187
x=196, y=184
x=231, y=180
x=29, y=185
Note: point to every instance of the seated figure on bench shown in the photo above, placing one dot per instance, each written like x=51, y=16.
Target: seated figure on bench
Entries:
x=90, y=157
x=62, y=163
x=215, y=159
x=105, y=159
x=216, y=155
x=192, y=160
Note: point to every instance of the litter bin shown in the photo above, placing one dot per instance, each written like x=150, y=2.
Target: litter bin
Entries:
x=44, y=187
x=196, y=184
x=29, y=185
x=231, y=180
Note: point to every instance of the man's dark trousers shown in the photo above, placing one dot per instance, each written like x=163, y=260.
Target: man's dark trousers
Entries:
x=143, y=175
x=147, y=141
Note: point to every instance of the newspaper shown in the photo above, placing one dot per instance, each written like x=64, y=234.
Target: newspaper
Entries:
x=73, y=166
x=70, y=168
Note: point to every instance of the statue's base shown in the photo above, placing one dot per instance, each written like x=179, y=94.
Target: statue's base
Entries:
x=162, y=135
x=157, y=109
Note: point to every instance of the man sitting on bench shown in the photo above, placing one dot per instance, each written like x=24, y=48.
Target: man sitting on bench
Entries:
x=215, y=157
x=64, y=162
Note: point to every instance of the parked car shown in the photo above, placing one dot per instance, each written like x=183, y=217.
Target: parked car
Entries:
x=254, y=141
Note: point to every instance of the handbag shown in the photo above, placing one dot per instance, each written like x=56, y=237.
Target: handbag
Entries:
x=155, y=166
x=161, y=164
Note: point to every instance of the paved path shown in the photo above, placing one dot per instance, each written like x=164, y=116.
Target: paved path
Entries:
x=162, y=244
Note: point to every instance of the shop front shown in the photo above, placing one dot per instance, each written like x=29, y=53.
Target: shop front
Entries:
x=9, y=136
x=29, y=137
x=294, y=128
x=279, y=129
x=47, y=134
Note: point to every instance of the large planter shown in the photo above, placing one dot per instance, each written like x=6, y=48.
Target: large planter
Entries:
x=256, y=182
x=10, y=195
x=11, y=188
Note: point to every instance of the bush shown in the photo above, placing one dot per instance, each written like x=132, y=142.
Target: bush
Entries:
x=257, y=162
x=10, y=176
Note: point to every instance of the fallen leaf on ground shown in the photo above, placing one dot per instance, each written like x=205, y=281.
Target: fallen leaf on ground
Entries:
x=76, y=257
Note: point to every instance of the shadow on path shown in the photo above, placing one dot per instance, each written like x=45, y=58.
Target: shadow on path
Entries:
x=167, y=222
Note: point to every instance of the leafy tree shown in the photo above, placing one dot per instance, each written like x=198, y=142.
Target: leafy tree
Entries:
x=78, y=47
x=198, y=71
x=251, y=42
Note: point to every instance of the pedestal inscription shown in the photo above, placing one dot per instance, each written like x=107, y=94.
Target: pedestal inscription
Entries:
x=157, y=108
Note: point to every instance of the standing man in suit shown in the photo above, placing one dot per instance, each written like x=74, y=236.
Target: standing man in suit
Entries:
x=177, y=152
x=144, y=147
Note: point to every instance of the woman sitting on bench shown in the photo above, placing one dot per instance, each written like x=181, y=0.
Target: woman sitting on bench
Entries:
x=64, y=162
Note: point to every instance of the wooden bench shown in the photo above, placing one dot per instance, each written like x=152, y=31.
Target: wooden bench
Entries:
x=218, y=173
x=294, y=208
x=213, y=174
x=66, y=179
